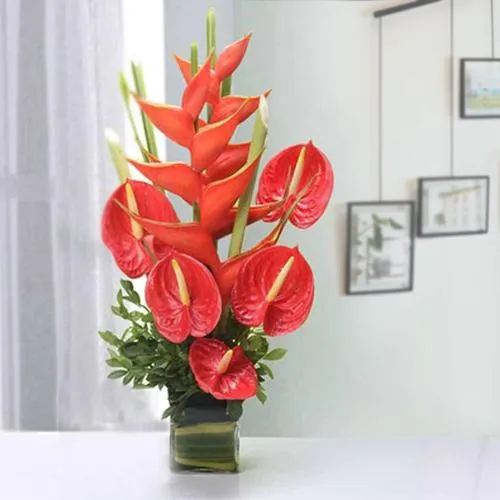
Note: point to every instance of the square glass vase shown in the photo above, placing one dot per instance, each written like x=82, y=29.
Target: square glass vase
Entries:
x=204, y=438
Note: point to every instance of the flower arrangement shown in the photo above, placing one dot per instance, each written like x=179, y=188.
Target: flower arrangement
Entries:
x=206, y=320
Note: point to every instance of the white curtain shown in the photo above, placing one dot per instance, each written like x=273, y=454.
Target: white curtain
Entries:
x=59, y=61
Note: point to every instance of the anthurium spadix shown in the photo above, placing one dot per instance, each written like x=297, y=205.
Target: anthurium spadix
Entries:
x=121, y=234
x=223, y=372
x=291, y=170
x=183, y=297
x=274, y=288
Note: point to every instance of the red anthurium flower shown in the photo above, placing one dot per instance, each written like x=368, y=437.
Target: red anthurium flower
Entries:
x=275, y=288
x=232, y=158
x=290, y=170
x=225, y=373
x=183, y=297
x=188, y=237
x=230, y=58
x=178, y=178
x=229, y=104
x=125, y=239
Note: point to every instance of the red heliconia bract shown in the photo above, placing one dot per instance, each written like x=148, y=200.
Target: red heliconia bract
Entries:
x=274, y=288
x=183, y=297
x=225, y=373
x=130, y=252
x=281, y=172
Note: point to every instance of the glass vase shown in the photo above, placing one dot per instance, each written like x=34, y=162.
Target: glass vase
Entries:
x=204, y=438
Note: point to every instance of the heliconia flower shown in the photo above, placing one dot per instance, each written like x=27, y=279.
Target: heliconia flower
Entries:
x=274, y=288
x=226, y=374
x=215, y=199
x=196, y=91
x=232, y=158
x=125, y=238
x=184, y=66
x=183, y=297
x=230, y=58
x=173, y=121
x=177, y=178
x=229, y=104
x=210, y=141
x=218, y=197
x=289, y=171
x=255, y=213
x=187, y=237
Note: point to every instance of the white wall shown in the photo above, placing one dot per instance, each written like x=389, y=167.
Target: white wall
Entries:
x=426, y=362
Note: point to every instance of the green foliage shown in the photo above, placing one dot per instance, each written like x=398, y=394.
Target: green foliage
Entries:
x=142, y=358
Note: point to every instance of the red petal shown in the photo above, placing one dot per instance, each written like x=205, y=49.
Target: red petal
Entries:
x=184, y=66
x=229, y=104
x=218, y=197
x=173, y=121
x=174, y=319
x=196, y=92
x=187, y=237
x=277, y=173
x=211, y=140
x=237, y=383
x=213, y=96
x=255, y=214
x=178, y=178
x=129, y=253
x=230, y=58
x=292, y=304
x=228, y=162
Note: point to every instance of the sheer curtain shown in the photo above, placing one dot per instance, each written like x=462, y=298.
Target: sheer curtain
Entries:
x=59, y=61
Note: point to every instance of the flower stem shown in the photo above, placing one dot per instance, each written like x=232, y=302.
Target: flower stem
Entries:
x=140, y=88
x=211, y=48
x=257, y=147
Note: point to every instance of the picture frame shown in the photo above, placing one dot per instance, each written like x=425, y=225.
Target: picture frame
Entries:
x=453, y=206
x=479, y=88
x=380, y=247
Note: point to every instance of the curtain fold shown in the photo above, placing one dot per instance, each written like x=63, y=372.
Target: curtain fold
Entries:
x=59, y=62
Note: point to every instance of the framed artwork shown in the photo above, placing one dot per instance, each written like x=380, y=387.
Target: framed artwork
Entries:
x=480, y=88
x=452, y=206
x=380, y=247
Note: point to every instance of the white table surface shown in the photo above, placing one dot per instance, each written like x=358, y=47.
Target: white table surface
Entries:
x=128, y=466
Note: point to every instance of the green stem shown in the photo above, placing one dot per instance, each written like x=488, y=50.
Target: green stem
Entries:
x=226, y=86
x=256, y=148
x=140, y=88
x=211, y=48
x=125, y=91
x=196, y=212
x=194, y=70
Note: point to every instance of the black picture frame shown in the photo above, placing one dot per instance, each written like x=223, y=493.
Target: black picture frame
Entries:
x=464, y=113
x=422, y=194
x=409, y=235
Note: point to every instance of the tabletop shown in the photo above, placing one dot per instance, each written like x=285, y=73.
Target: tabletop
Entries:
x=134, y=466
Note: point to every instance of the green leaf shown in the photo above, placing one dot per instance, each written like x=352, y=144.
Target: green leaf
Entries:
x=110, y=338
x=276, y=354
x=261, y=395
x=168, y=412
x=267, y=370
x=127, y=285
x=117, y=374
x=377, y=241
x=128, y=378
x=395, y=225
x=234, y=409
x=114, y=362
